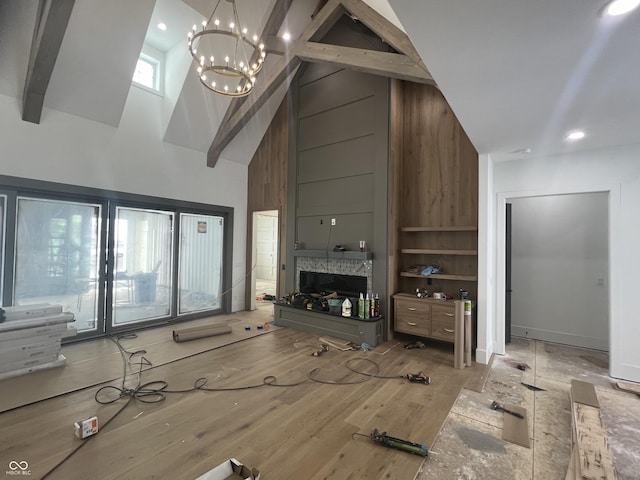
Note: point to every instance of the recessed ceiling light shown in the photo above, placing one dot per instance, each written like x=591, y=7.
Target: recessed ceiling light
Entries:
x=162, y=26
x=575, y=135
x=521, y=151
x=620, y=7
x=287, y=36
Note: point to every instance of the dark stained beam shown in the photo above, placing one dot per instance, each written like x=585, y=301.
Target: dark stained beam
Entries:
x=386, y=64
x=51, y=24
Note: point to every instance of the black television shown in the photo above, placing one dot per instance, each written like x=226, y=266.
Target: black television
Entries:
x=326, y=283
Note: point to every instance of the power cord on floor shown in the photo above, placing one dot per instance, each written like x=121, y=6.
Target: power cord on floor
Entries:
x=156, y=391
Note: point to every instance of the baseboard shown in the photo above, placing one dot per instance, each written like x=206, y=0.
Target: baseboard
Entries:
x=560, y=337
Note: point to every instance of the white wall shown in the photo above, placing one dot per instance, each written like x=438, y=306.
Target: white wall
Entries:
x=131, y=158
x=560, y=269
x=616, y=170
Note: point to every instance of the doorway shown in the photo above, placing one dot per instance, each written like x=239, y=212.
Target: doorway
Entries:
x=559, y=269
x=265, y=260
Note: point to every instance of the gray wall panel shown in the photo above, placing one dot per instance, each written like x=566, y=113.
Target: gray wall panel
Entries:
x=316, y=71
x=344, y=159
x=340, y=88
x=343, y=123
x=348, y=231
x=338, y=193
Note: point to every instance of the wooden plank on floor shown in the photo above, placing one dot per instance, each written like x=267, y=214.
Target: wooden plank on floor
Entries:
x=584, y=392
x=514, y=429
x=593, y=458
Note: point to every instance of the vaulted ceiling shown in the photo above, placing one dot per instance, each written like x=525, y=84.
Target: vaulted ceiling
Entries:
x=519, y=75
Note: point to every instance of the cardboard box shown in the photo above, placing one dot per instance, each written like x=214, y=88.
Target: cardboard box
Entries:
x=231, y=469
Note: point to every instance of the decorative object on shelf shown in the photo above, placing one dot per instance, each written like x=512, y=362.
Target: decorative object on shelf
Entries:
x=227, y=59
x=339, y=248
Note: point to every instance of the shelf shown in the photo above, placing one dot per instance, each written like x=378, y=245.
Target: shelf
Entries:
x=434, y=251
x=348, y=254
x=440, y=229
x=442, y=276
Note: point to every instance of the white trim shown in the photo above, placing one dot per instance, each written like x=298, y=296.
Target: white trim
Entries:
x=615, y=233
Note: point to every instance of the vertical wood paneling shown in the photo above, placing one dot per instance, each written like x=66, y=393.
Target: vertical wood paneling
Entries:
x=435, y=184
x=267, y=186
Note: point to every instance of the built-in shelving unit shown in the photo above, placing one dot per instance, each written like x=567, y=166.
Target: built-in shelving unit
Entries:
x=453, y=248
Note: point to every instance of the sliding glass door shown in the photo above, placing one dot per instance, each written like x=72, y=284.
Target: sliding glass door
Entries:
x=57, y=257
x=116, y=261
x=142, y=283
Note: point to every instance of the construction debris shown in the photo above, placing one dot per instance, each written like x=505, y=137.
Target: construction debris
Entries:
x=591, y=457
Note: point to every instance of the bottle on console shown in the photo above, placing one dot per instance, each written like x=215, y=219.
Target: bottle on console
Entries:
x=361, y=306
x=367, y=306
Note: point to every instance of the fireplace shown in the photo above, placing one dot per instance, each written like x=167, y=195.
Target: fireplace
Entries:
x=325, y=283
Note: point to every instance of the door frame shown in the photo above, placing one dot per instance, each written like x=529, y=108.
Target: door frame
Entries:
x=615, y=227
x=250, y=298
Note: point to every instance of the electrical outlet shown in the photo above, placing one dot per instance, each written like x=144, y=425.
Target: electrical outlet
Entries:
x=333, y=221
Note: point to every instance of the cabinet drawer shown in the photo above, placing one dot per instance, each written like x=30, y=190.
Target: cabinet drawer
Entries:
x=444, y=313
x=420, y=326
x=443, y=330
x=412, y=308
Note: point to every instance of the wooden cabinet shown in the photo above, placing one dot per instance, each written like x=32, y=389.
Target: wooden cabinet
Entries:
x=424, y=317
x=444, y=320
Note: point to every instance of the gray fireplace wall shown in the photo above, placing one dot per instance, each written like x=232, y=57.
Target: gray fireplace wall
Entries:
x=338, y=164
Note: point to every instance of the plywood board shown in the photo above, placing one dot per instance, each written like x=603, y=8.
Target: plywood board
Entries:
x=585, y=393
x=514, y=429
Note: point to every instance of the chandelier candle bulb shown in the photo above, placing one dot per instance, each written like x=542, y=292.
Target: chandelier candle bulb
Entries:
x=230, y=43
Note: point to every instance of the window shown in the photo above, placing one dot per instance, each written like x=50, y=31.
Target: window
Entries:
x=148, y=72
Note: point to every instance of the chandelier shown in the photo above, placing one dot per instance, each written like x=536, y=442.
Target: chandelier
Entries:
x=227, y=60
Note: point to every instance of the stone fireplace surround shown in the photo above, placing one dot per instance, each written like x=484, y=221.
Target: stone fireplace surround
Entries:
x=339, y=266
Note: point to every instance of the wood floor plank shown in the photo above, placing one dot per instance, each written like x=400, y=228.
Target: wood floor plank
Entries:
x=302, y=431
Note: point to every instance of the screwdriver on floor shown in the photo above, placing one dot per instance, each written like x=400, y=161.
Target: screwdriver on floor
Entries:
x=496, y=406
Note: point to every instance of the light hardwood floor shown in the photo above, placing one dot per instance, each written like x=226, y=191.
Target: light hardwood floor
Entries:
x=297, y=432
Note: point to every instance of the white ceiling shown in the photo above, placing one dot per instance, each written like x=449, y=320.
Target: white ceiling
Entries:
x=521, y=74
x=518, y=74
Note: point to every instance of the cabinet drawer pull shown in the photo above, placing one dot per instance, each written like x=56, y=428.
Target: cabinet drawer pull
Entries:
x=412, y=309
x=449, y=314
x=412, y=324
x=448, y=330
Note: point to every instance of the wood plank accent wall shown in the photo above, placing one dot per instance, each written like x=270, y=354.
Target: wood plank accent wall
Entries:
x=434, y=183
x=267, y=186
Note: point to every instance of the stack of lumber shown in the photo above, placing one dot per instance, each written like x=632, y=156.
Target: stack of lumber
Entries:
x=591, y=458
x=30, y=338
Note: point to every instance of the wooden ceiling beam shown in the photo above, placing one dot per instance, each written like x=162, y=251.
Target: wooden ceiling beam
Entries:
x=405, y=65
x=274, y=22
x=51, y=25
x=386, y=64
x=386, y=30
x=240, y=116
